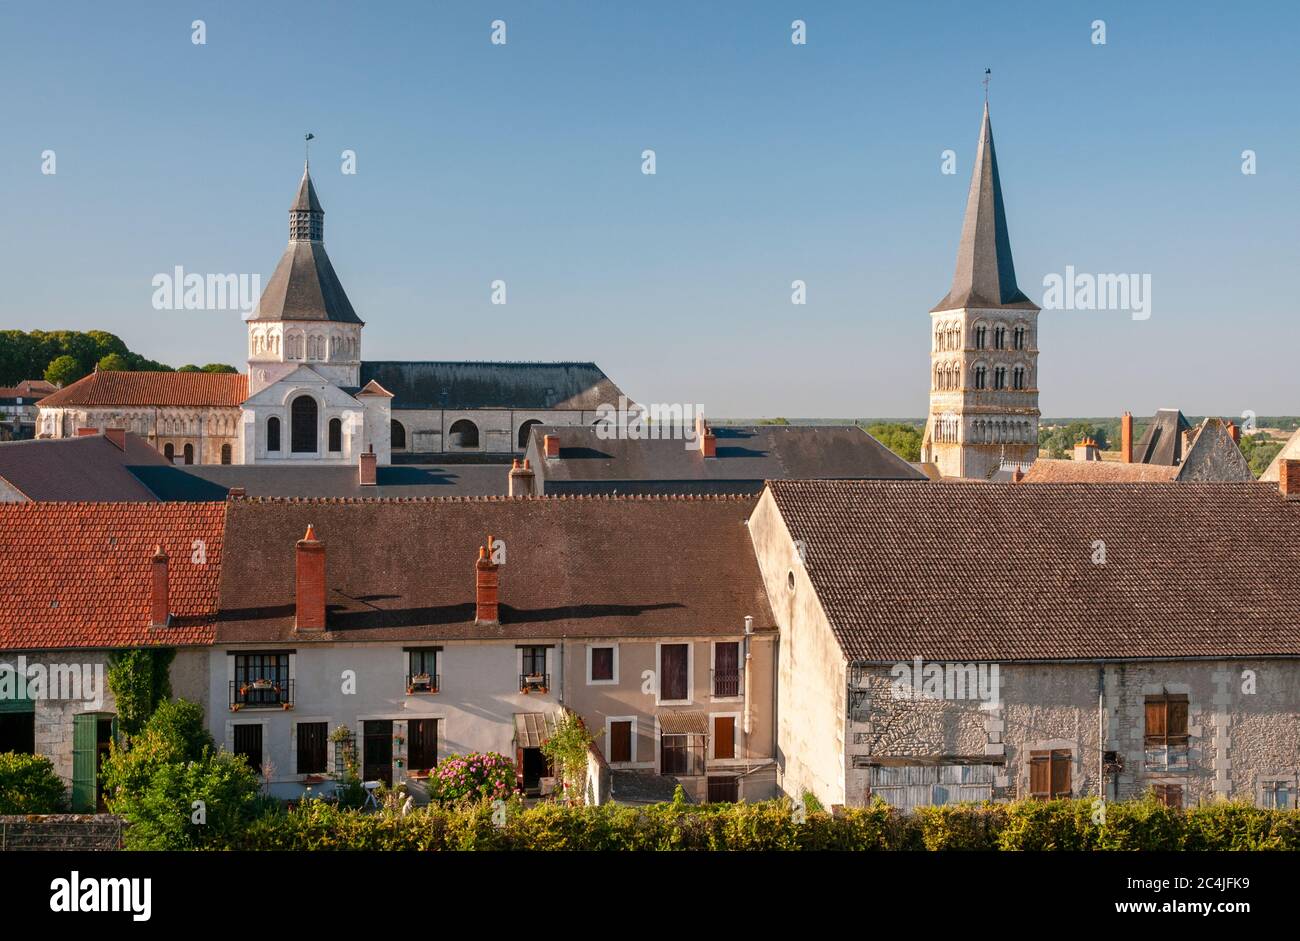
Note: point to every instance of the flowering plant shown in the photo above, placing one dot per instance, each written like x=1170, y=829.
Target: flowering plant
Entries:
x=476, y=776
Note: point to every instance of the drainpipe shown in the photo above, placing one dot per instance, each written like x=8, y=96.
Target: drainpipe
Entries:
x=1101, y=733
x=749, y=634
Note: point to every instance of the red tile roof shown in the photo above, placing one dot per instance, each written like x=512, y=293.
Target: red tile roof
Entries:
x=77, y=575
x=153, y=388
x=1002, y=572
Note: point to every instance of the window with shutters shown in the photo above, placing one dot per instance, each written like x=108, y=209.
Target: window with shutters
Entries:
x=622, y=737
x=1166, y=732
x=726, y=669
x=313, y=750
x=1171, y=795
x=724, y=736
x=1049, y=774
x=1277, y=793
x=602, y=664
x=674, y=673
x=422, y=750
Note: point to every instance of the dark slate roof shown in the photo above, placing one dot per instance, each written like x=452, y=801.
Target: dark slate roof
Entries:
x=452, y=385
x=305, y=287
x=213, y=481
x=1162, y=442
x=747, y=455
x=89, y=468
x=306, y=200
x=642, y=787
x=404, y=570
x=1004, y=572
x=985, y=275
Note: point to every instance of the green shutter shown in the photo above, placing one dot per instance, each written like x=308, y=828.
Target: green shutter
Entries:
x=85, y=729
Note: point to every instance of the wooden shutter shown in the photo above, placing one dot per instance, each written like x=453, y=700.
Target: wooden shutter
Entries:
x=602, y=663
x=1040, y=775
x=620, y=741
x=85, y=741
x=1155, y=731
x=423, y=750
x=724, y=737
x=1060, y=774
x=672, y=663
x=312, y=750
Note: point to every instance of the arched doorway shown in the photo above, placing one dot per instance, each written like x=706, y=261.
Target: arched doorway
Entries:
x=524, y=430
x=189, y=454
x=169, y=452
x=302, y=431
x=463, y=435
x=397, y=435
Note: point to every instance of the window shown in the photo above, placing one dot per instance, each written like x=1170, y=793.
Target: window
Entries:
x=189, y=454
x=302, y=434
x=396, y=435
x=273, y=434
x=1166, y=732
x=682, y=754
x=1000, y=338
x=312, y=748
x=1171, y=795
x=602, y=664
x=724, y=736
x=377, y=750
x=248, y=742
x=463, y=434
x=979, y=377
x=533, y=669
x=674, y=673
x=981, y=337
x=724, y=790
x=1018, y=377
x=422, y=752
x=1018, y=338
x=1277, y=794
x=169, y=452
x=1000, y=377
x=726, y=668
x=422, y=670
x=261, y=679
x=335, y=435
x=620, y=741
x=1049, y=774
x=225, y=454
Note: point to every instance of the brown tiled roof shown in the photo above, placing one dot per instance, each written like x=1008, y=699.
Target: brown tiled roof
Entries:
x=577, y=567
x=1006, y=571
x=78, y=575
x=153, y=388
x=85, y=468
x=28, y=388
x=1047, y=471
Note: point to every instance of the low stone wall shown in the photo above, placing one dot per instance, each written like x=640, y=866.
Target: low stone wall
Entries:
x=46, y=832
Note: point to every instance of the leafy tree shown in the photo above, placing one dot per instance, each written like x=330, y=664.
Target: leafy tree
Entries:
x=219, y=367
x=901, y=438
x=140, y=680
x=114, y=362
x=64, y=370
x=188, y=367
x=1259, y=451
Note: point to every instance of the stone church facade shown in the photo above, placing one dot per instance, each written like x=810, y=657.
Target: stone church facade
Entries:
x=983, y=414
x=308, y=397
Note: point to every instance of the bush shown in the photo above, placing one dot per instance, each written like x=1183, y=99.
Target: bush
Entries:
x=28, y=785
x=473, y=777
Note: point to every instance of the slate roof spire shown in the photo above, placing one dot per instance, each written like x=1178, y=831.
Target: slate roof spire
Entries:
x=985, y=275
x=306, y=217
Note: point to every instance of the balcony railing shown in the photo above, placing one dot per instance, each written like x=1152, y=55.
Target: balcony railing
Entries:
x=726, y=682
x=423, y=683
x=261, y=694
x=534, y=682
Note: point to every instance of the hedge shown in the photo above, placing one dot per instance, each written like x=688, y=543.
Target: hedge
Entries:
x=28, y=785
x=771, y=825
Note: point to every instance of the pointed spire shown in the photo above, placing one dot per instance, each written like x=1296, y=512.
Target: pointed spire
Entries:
x=985, y=275
x=306, y=217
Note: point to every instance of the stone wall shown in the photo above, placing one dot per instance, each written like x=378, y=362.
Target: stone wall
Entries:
x=60, y=832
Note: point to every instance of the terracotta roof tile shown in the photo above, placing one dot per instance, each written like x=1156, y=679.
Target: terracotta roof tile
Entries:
x=1047, y=471
x=153, y=388
x=77, y=575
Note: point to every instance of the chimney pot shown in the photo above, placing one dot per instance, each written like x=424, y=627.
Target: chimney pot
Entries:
x=551, y=445
x=367, y=468
x=521, y=479
x=1126, y=437
x=310, y=583
x=487, y=581
x=160, y=599
x=1288, y=478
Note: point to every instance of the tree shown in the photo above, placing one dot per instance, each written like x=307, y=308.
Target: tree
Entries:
x=64, y=370
x=114, y=362
x=28, y=785
x=901, y=438
x=219, y=367
x=1259, y=451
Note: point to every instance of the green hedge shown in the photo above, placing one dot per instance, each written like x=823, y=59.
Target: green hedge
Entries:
x=28, y=785
x=770, y=825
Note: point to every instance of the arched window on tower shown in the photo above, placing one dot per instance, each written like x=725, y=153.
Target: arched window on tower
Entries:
x=336, y=435
x=1018, y=338
x=302, y=431
x=979, y=377
x=273, y=434
x=981, y=336
x=999, y=338
x=1018, y=377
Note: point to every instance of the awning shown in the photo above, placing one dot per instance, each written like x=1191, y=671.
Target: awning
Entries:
x=533, y=728
x=684, y=723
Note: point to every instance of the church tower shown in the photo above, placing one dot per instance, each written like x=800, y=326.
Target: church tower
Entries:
x=984, y=344
x=304, y=316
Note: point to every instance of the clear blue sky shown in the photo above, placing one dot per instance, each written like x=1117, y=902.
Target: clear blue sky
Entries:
x=775, y=162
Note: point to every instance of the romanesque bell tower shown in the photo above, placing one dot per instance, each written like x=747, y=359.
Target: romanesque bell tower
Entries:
x=984, y=344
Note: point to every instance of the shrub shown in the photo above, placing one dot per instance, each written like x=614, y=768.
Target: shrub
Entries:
x=28, y=785
x=473, y=777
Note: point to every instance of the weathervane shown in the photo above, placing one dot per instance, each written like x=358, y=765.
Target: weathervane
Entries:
x=306, y=148
x=988, y=73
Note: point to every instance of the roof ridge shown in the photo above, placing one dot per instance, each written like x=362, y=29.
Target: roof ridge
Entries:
x=502, y=498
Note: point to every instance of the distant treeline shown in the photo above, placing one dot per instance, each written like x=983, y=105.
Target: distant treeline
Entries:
x=64, y=356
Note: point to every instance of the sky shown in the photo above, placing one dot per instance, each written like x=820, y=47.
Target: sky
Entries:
x=775, y=162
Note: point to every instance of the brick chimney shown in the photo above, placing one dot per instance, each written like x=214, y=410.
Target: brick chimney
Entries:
x=1288, y=478
x=236, y=493
x=87, y=432
x=1017, y=475
x=368, y=471
x=551, y=445
x=309, y=603
x=116, y=437
x=487, y=581
x=159, y=595
x=522, y=478
x=704, y=435
x=1126, y=437
x=1234, y=432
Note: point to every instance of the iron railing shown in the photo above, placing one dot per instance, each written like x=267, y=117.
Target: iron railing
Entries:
x=726, y=682
x=261, y=694
x=534, y=682
x=423, y=682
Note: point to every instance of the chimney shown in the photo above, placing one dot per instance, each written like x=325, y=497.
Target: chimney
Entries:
x=551, y=445
x=1288, y=478
x=159, y=598
x=522, y=478
x=487, y=580
x=1017, y=475
x=1126, y=437
x=309, y=606
x=1234, y=432
x=1086, y=450
x=704, y=435
x=368, y=472
x=87, y=432
x=117, y=436
x=236, y=493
